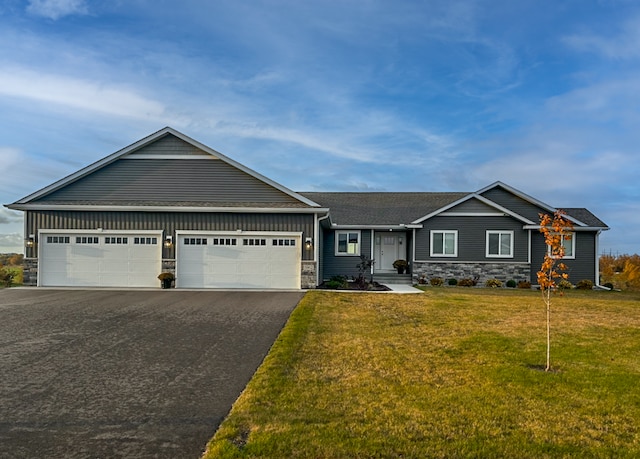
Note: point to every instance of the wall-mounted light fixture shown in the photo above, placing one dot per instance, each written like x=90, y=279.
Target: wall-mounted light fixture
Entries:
x=168, y=242
x=308, y=243
x=30, y=241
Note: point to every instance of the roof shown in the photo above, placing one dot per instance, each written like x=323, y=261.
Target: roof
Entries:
x=381, y=208
x=585, y=216
x=189, y=149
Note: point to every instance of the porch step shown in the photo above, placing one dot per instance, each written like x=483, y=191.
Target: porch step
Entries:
x=392, y=278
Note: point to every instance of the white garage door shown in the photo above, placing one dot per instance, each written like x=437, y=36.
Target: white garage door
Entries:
x=99, y=259
x=238, y=260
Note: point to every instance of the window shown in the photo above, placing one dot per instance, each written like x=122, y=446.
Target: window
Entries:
x=347, y=242
x=284, y=242
x=195, y=241
x=145, y=240
x=224, y=241
x=444, y=243
x=86, y=240
x=57, y=239
x=569, y=244
x=116, y=240
x=500, y=244
x=254, y=242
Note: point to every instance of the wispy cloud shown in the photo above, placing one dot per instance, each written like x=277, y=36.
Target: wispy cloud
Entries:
x=56, y=9
x=78, y=93
x=625, y=44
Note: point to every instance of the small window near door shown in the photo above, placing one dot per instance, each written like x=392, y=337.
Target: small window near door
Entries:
x=348, y=243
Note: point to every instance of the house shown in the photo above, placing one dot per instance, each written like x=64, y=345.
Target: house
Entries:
x=170, y=203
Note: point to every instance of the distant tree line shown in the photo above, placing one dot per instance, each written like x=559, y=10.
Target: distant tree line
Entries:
x=622, y=271
x=11, y=259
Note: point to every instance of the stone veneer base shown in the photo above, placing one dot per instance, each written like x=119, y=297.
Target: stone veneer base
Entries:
x=483, y=270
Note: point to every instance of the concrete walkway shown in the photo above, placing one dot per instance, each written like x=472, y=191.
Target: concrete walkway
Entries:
x=402, y=288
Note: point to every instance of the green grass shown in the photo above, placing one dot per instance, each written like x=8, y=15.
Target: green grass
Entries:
x=451, y=373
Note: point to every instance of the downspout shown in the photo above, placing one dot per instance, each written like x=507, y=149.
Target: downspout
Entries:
x=597, y=279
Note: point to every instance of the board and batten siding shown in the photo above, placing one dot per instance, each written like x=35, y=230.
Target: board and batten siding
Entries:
x=582, y=267
x=472, y=238
x=169, y=180
x=169, y=222
x=343, y=265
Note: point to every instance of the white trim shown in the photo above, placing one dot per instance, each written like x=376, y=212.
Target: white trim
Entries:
x=498, y=207
x=529, y=199
x=400, y=227
x=471, y=214
x=443, y=255
x=146, y=141
x=90, y=208
x=240, y=233
x=347, y=232
x=499, y=233
x=150, y=156
x=97, y=231
x=573, y=229
x=573, y=247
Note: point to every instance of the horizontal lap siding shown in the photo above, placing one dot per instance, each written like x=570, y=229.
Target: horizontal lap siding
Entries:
x=582, y=267
x=343, y=265
x=169, y=180
x=170, y=222
x=514, y=204
x=472, y=238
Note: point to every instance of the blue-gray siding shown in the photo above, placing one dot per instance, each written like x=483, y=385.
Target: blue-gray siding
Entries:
x=582, y=267
x=131, y=181
x=473, y=205
x=472, y=238
x=333, y=265
x=169, y=222
x=514, y=203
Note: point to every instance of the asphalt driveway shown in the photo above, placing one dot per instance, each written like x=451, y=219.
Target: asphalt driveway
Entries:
x=135, y=374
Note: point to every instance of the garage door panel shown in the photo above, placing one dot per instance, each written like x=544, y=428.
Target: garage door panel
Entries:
x=230, y=261
x=99, y=260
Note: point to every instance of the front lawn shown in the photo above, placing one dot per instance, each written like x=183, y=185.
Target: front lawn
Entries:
x=451, y=373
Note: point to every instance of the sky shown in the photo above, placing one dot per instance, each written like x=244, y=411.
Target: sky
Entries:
x=335, y=95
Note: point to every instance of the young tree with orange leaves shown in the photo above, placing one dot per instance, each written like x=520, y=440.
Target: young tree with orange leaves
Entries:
x=555, y=230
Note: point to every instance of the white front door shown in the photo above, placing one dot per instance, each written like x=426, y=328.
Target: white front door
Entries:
x=389, y=247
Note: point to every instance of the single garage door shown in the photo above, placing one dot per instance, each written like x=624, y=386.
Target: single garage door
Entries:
x=238, y=260
x=99, y=259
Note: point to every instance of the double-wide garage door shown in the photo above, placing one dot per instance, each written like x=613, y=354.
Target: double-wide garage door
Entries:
x=238, y=260
x=97, y=259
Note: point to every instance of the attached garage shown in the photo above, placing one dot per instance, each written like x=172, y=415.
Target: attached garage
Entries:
x=269, y=260
x=99, y=259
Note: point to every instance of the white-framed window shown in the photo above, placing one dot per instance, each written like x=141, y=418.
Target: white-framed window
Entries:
x=348, y=243
x=569, y=244
x=499, y=244
x=444, y=243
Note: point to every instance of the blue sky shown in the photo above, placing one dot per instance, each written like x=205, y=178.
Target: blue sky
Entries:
x=348, y=95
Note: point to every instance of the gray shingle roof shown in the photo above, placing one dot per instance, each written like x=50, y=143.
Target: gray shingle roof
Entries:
x=381, y=208
x=585, y=216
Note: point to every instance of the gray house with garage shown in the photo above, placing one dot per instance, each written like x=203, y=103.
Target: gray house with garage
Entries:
x=168, y=203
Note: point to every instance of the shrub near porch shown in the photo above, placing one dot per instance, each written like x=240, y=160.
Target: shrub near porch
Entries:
x=451, y=373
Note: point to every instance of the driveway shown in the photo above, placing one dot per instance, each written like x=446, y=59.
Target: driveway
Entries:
x=135, y=374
